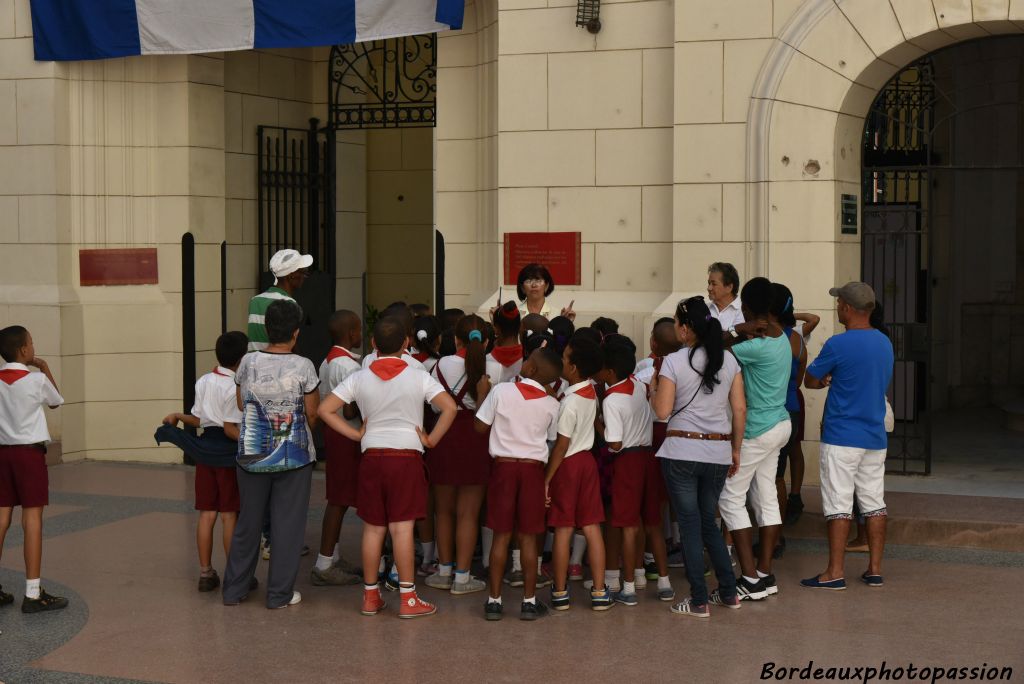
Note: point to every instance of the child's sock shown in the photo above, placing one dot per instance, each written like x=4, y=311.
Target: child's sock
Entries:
x=429, y=552
x=648, y=558
x=206, y=572
x=517, y=563
x=752, y=580
x=628, y=588
x=640, y=572
x=323, y=562
x=491, y=599
x=611, y=578
x=32, y=588
x=445, y=569
x=336, y=556
x=761, y=575
x=461, y=576
x=579, y=547
x=532, y=599
x=664, y=583
x=486, y=541
x=406, y=588
x=371, y=587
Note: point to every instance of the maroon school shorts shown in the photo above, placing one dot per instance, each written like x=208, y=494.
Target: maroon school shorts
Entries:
x=24, y=480
x=637, y=489
x=392, y=486
x=343, y=458
x=217, y=489
x=659, y=435
x=461, y=457
x=515, y=497
x=575, y=492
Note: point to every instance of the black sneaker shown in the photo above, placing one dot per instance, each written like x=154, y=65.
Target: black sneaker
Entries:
x=44, y=603
x=5, y=598
x=794, y=507
x=532, y=611
x=751, y=591
x=770, y=586
x=209, y=582
x=492, y=611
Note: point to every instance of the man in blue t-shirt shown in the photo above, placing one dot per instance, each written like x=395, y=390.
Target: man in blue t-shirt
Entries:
x=856, y=366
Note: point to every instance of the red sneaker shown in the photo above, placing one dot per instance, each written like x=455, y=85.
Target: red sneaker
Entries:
x=576, y=573
x=372, y=602
x=413, y=606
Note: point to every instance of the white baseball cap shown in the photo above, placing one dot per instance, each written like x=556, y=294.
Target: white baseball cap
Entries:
x=288, y=261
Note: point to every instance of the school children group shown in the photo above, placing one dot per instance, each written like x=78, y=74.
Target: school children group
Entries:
x=531, y=434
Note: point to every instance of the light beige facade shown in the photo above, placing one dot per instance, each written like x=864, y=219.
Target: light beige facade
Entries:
x=683, y=133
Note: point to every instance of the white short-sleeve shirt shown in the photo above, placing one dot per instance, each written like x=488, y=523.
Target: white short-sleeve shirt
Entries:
x=730, y=316
x=216, y=399
x=523, y=418
x=576, y=416
x=645, y=376
x=505, y=363
x=339, y=364
x=23, y=394
x=407, y=357
x=453, y=370
x=392, y=409
x=628, y=417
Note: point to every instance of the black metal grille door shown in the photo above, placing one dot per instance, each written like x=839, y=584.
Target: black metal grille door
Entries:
x=296, y=200
x=896, y=194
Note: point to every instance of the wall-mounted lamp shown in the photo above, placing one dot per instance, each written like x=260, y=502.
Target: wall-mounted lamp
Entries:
x=588, y=14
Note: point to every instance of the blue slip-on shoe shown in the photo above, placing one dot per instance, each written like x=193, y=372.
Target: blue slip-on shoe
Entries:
x=625, y=598
x=872, y=580
x=815, y=583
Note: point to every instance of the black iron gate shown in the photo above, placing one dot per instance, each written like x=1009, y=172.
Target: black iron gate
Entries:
x=296, y=200
x=895, y=219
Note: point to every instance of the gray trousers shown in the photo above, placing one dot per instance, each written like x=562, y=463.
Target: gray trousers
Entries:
x=286, y=495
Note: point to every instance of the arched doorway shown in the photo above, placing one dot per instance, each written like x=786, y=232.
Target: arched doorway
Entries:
x=943, y=244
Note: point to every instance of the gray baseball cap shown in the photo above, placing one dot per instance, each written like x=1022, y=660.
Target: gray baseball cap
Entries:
x=858, y=295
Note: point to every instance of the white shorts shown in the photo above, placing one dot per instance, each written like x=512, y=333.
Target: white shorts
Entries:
x=847, y=472
x=759, y=459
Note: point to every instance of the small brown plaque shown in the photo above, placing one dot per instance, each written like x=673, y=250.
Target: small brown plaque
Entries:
x=118, y=266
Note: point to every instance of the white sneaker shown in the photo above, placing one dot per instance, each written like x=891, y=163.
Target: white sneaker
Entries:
x=296, y=598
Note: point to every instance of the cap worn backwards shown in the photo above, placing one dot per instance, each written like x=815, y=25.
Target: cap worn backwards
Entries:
x=287, y=261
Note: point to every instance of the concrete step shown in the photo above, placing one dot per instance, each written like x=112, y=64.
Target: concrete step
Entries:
x=978, y=522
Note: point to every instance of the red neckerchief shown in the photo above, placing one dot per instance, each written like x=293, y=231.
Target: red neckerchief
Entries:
x=339, y=353
x=507, y=356
x=587, y=392
x=530, y=392
x=216, y=371
x=421, y=356
x=461, y=353
x=624, y=387
x=12, y=375
x=388, y=367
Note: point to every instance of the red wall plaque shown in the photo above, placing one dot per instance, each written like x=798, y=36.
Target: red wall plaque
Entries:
x=117, y=266
x=558, y=252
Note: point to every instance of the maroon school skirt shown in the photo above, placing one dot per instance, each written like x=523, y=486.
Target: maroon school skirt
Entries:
x=461, y=457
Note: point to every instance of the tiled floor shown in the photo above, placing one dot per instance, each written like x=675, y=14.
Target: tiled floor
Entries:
x=120, y=542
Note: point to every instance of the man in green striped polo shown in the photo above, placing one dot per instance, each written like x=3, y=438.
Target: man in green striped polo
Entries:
x=290, y=271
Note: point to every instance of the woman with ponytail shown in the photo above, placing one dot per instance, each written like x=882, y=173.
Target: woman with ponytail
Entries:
x=506, y=358
x=695, y=390
x=460, y=464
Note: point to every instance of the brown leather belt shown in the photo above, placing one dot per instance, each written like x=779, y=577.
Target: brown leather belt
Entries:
x=509, y=459
x=703, y=436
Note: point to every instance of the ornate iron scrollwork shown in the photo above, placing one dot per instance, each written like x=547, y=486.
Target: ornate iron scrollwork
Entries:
x=384, y=83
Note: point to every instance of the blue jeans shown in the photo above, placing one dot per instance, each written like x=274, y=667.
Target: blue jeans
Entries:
x=693, y=489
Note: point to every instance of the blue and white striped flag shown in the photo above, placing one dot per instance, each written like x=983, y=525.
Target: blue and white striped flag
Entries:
x=98, y=29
